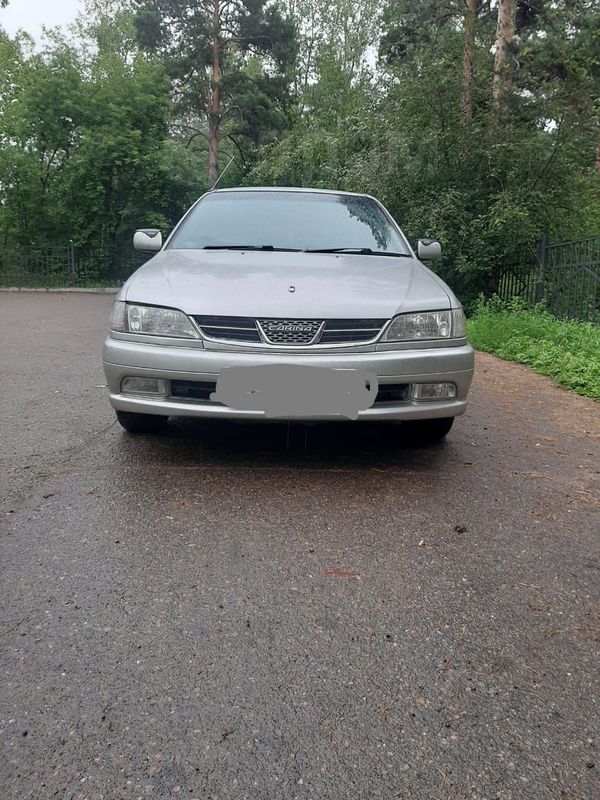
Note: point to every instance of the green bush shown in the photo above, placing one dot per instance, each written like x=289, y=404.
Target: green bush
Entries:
x=566, y=350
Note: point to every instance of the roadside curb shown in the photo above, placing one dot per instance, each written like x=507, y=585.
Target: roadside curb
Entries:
x=104, y=290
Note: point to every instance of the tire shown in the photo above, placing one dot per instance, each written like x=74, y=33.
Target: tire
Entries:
x=428, y=430
x=141, y=423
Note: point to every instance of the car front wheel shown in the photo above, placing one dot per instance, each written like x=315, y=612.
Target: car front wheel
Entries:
x=429, y=430
x=141, y=423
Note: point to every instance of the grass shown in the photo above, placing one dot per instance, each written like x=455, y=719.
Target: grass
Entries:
x=44, y=283
x=566, y=350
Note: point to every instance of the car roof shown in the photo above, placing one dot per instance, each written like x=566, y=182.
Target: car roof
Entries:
x=285, y=189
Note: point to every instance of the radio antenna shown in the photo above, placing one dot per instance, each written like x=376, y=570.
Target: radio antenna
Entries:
x=214, y=186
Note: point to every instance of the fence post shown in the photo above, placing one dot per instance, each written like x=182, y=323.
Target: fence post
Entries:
x=71, y=260
x=541, y=254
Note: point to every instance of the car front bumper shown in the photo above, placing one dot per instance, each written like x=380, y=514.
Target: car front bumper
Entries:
x=123, y=358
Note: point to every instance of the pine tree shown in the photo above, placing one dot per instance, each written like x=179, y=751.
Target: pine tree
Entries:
x=206, y=45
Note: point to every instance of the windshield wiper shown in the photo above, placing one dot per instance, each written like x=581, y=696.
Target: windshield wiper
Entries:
x=359, y=251
x=268, y=247
x=271, y=248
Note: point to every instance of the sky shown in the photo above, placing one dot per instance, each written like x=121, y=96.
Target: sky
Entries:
x=32, y=14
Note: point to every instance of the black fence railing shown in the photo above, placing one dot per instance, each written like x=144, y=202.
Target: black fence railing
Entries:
x=565, y=276
x=571, y=278
x=65, y=266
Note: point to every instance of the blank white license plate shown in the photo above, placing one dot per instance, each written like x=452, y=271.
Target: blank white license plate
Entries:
x=296, y=390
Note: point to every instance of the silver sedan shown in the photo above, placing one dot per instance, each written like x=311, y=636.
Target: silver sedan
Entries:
x=289, y=304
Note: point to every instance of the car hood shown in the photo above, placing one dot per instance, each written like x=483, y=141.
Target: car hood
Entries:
x=279, y=284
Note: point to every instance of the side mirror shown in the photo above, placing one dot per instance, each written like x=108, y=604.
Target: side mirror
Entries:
x=428, y=249
x=148, y=240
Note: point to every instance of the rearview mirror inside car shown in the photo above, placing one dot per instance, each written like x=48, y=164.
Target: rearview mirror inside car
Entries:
x=428, y=249
x=148, y=240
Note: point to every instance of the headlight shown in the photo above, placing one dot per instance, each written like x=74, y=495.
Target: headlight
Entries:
x=151, y=320
x=449, y=324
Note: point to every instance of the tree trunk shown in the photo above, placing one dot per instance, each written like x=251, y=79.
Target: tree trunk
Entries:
x=469, y=56
x=505, y=32
x=214, y=110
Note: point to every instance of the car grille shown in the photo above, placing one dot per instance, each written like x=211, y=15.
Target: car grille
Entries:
x=238, y=329
x=346, y=331
x=290, y=331
x=201, y=390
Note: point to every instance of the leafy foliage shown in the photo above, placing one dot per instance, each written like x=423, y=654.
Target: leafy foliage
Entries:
x=228, y=63
x=98, y=138
x=567, y=351
x=85, y=152
x=485, y=190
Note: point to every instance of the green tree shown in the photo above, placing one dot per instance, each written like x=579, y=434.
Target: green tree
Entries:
x=423, y=133
x=336, y=32
x=40, y=112
x=85, y=151
x=99, y=138
x=227, y=60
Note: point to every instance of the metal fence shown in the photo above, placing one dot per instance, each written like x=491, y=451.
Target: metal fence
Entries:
x=565, y=276
x=64, y=266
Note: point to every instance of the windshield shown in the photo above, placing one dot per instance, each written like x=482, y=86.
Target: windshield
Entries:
x=288, y=220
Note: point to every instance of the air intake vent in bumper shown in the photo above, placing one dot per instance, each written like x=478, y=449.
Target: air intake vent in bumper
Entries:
x=201, y=390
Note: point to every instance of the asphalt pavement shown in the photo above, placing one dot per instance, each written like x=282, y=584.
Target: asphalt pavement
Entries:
x=234, y=612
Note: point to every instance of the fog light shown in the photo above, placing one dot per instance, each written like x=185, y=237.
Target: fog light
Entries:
x=143, y=386
x=433, y=391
